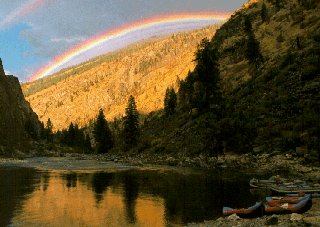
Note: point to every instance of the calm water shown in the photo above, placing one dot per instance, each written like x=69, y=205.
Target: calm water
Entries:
x=143, y=197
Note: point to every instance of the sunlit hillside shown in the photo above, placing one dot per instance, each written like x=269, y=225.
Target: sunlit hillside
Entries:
x=143, y=70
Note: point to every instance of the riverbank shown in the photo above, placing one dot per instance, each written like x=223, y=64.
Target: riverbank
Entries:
x=274, y=163
x=309, y=218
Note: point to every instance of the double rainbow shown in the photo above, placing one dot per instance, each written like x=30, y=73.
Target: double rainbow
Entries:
x=21, y=11
x=122, y=31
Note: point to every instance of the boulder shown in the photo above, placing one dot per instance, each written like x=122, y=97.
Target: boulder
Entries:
x=296, y=217
x=194, y=112
x=312, y=221
x=221, y=219
x=233, y=217
x=258, y=150
x=273, y=220
x=288, y=156
x=300, y=151
x=139, y=163
x=275, y=152
x=171, y=161
x=311, y=156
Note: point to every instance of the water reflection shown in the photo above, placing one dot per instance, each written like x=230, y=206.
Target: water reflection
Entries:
x=125, y=198
x=130, y=195
x=71, y=180
x=100, y=183
x=44, y=181
x=15, y=185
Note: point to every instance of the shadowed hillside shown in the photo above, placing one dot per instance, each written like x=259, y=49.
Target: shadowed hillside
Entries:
x=264, y=96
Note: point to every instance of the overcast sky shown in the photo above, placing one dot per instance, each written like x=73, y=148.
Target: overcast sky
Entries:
x=32, y=32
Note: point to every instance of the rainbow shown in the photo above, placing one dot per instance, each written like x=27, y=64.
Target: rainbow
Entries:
x=122, y=31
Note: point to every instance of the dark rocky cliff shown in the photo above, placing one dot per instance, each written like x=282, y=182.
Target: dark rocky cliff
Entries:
x=17, y=119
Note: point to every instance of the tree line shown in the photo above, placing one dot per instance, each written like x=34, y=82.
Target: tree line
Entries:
x=97, y=137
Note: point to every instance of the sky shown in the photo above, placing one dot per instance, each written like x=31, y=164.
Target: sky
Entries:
x=35, y=33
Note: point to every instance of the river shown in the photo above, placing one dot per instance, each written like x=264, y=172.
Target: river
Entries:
x=146, y=196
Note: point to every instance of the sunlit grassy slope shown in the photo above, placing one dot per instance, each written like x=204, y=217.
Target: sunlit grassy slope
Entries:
x=143, y=70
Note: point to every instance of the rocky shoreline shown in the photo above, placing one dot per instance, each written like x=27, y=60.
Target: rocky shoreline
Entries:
x=309, y=218
x=260, y=163
x=291, y=163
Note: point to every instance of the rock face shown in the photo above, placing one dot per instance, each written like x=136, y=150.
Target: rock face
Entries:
x=15, y=112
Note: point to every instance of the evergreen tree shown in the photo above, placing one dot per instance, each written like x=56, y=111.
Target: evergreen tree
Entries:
x=78, y=140
x=102, y=134
x=30, y=128
x=263, y=12
x=87, y=143
x=252, y=53
x=185, y=92
x=253, y=50
x=63, y=136
x=131, y=128
x=170, y=101
x=278, y=4
x=48, y=131
x=207, y=72
x=70, y=135
x=247, y=25
x=42, y=131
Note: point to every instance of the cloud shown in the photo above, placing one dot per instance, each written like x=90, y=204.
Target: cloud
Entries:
x=20, y=12
x=7, y=72
x=67, y=40
x=61, y=22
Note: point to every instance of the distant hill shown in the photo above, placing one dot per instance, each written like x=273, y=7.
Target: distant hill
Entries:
x=144, y=70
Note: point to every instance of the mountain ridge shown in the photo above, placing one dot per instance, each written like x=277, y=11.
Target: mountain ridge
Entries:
x=160, y=63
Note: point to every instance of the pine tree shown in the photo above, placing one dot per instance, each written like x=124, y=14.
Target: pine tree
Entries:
x=87, y=143
x=166, y=101
x=78, y=140
x=264, y=13
x=30, y=128
x=253, y=50
x=247, y=25
x=131, y=130
x=70, y=135
x=185, y=92
x=102, y=134
x=207, y=72
x=278, y=4
x=170, y=101
x=48, y=131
